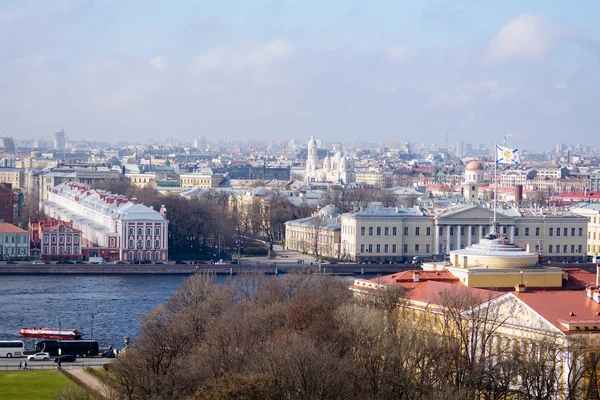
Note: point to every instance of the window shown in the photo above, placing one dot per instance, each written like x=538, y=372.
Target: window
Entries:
x=157, y=231
x=572, y=231
x=131, y=243
x=557, y=248
x=130, y=231
x=378, y=231
x=53, y=249
x=385, y=248
x=148, y=231
x=140, y=231
x=394, y=231
x=61, y=239
x=406, y=231
x=157, y=255
x=537, y=231
x=417, y=248
x=75, y=250
x=378, y=248
x=564, y=248
x=427, y=248
x=370, y=248
x=550, y=249
x=139, y=244
x=417, y=231
x=45, y=249
x=572, y=248
x=451, y=231
x=386, y=231
x=362, y=231
x=76, y=239
x=370, y=231
x=68, y=249
x=157, y=244
x=579, y=249
x=551, y=232
x=405, y=248
x=580, y=231
x=428, y=231
x=516, y=231
x=362, y=248
x=565, y=232
x=148, y=244
x=69, y=239
x=557, y=232
x=393, y=248
x=53, y=239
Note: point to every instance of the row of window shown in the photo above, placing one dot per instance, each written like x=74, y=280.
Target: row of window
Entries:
x=369, y=248
x=371, y=231
x=140, y=231
x=556, y=248
x=386, y=231
x=140, y=244
x=20, y=239
x=13, y=251
x=61, y=250
x=140, y=256
x=61, y=239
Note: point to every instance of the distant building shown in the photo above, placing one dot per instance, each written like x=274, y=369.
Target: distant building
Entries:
x=14, y=176
x=318, y=235
x=9, y=204
x=112, y=226
x=55, y=240
x=85, y=176
x=14, y=242
x=336, y=169
x=59, y=140
x=203, y=178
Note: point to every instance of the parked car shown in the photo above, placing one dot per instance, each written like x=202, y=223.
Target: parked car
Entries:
x=235, y=261
x=109, y=354
x=39, y=357
x=80, y=262
x=180, y=262
x=332, y=262
x=66, y=358
x=38, y=262
x=119, y=262
x=11, y=262
x=159, y=263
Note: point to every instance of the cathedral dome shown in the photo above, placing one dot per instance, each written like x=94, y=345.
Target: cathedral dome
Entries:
x=312, y=141
x=338, y=155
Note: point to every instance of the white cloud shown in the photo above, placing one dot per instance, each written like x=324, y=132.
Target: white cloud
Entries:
x=400, y=54
x=159, y=62
x=560, y=85
x=495, y=89
x=244, y=56
x=526, y=37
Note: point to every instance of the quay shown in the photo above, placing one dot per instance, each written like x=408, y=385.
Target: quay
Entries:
x=269, y=268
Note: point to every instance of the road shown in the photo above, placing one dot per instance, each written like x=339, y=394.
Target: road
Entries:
x=13, y=363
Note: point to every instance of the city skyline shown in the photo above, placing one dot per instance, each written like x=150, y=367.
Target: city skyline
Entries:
x=269, y=70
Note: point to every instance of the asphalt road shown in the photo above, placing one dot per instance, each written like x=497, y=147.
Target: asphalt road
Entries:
x=13, y=363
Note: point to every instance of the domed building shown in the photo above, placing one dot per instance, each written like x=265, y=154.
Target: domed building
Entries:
x=474, y=172
x=337, y=169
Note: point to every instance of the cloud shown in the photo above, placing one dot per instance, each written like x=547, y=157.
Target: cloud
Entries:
x=400, y=54
x=159, y=62
x=495, y=89
x=233, y=58
x=527, y=37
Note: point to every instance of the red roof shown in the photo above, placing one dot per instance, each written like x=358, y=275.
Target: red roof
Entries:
x=562, y=305
x=10, y=228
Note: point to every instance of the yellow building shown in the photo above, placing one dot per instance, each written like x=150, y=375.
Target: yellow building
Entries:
x=141, y=180
x=318, y=235
x=592, y=212
x=376, y=179
x=14, y=176
x=204, y=178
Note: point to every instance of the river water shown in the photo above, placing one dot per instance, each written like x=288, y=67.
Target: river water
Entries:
x=116, y=302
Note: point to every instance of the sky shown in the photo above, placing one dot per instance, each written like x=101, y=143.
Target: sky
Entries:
x=133, y=70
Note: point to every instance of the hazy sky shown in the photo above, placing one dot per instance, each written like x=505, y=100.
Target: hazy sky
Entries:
x=341, y=70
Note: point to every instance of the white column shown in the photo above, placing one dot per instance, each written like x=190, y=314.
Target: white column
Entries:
x=458, y=236
x=511, y=236
x=437, y=239
x=469, y=236
x=447, y=238
x=480, y=232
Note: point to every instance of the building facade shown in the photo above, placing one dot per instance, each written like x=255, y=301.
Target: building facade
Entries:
x=204, y=178
x=336, y=169
x=319, y=234
x=14, y=242
x=55, y=240
x=112, y=226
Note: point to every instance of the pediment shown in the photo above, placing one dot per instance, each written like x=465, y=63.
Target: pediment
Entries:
x=475, y=214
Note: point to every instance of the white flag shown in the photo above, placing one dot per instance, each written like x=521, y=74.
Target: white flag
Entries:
x=504, y=155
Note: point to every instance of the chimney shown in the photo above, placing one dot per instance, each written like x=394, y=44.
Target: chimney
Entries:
x=520, y=288
x=134, y=200
x=527, y=247
x=163, y=211
x=416, y=276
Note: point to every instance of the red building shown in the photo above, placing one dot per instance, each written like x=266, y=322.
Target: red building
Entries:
x=54, y=240
x=7, y=203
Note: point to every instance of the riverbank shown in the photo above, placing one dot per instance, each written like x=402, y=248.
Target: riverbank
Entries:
x=271, y=268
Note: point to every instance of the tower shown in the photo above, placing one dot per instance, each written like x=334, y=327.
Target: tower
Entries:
x=59, y=140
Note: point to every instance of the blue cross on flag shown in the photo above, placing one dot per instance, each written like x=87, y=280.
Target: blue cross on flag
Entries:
x=504, y=155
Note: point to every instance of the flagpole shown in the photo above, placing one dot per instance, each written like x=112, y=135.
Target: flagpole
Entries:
x=495, y=185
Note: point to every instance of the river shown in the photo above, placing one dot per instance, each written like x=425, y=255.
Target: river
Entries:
x=116, y=302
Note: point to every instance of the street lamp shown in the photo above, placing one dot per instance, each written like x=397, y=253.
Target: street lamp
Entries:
x=92, y=327
x=59, y=348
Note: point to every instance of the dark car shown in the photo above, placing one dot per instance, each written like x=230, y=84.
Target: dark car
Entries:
x=109, y=354
x=80, y=262
x=180, y=262
x=11, y=262
x=66, y=358
x=159, y=263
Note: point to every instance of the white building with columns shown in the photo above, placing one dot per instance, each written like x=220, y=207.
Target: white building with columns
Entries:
x=112, y=226
x=393, y=234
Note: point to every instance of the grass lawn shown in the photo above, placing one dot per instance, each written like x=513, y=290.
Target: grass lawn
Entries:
x=30, y=385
